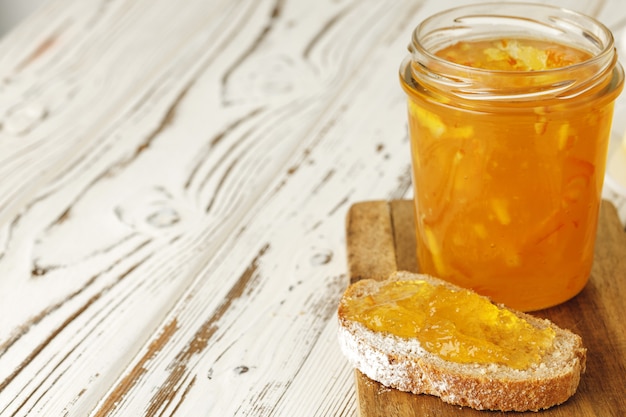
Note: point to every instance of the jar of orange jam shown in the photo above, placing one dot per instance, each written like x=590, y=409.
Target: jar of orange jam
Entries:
x=509, y=120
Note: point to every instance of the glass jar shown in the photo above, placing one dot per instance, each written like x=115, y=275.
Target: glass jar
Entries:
x=509, y=120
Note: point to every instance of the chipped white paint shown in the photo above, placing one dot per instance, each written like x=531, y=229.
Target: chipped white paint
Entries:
x=174, y=178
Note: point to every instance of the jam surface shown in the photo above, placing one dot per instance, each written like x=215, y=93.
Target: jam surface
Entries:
x=513, y=54
x=456, y=325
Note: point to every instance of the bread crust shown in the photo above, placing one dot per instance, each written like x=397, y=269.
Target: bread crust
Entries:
x=403, y=364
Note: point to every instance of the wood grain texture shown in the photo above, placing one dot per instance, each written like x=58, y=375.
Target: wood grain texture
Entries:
x=167, y=207
x=596, y=314
x=370, y=224
x=174, y=182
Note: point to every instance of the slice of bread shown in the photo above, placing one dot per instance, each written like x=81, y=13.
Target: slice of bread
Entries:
x=404, y=364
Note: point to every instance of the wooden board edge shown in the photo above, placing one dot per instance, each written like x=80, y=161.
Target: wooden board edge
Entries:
x=370, y=241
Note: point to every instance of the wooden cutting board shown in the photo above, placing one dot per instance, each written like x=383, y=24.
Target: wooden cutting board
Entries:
x=380, y=240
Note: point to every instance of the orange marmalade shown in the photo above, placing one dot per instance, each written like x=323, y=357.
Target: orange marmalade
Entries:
x=458, y=326
x=509, y=138
x=513, y=54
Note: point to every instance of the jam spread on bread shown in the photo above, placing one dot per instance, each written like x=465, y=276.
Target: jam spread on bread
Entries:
x=454, y=324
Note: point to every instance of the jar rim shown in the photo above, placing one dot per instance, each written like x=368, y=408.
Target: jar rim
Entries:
x=499, y=12
x=424, y=69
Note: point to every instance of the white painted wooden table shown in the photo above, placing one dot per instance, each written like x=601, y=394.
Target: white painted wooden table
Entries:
x=174, y=179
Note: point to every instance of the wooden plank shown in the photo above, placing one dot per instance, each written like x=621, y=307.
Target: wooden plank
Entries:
x=180, y=234
x=369, y=226
x=596, y=314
